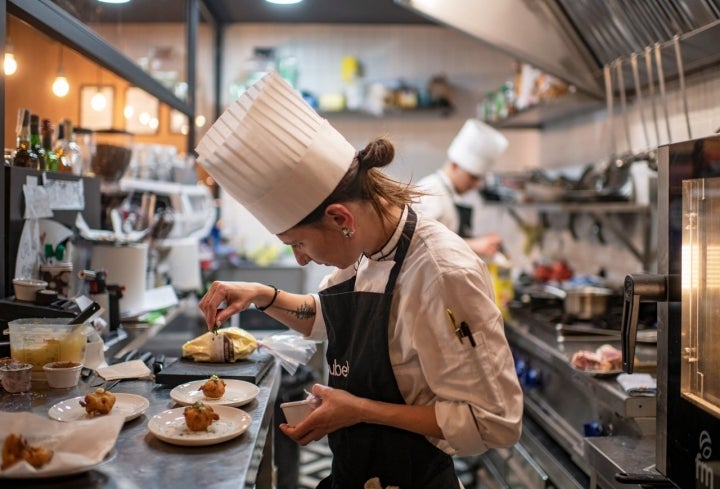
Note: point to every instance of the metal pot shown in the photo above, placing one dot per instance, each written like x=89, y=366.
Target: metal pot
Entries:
x=582, y=302
x=587, y=302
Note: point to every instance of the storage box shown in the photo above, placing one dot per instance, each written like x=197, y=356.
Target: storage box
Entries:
x=39, y=341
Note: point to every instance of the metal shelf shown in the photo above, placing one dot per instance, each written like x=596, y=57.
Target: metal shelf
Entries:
x=550, y=112
x=602, y=212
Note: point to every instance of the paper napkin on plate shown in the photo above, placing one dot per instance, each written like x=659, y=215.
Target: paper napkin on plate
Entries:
x=638, y=384
x=134, y=369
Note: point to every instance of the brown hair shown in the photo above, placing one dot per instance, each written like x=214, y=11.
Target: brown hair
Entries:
x=365, y=182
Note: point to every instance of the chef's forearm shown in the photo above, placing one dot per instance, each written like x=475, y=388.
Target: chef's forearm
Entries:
x=296, y=311
x=417, y=419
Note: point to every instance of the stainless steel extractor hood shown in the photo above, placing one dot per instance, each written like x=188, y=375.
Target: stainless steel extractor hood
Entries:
x=574, y=39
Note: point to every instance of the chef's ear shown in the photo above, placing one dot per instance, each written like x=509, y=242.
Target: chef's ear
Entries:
x=340, y=216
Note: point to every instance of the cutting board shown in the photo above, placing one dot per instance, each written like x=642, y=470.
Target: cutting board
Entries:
x=184, y=370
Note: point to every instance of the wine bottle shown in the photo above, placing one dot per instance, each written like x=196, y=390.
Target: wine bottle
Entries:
x=36, y=142
x=24, y=156
x=51, y=159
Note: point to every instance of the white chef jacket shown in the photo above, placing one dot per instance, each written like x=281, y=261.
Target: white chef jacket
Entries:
x=439, y=203
x=477, y=397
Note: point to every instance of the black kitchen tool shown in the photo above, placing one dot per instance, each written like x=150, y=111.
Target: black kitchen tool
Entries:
x=146, y=358
x=85, y=314
x=158, y=363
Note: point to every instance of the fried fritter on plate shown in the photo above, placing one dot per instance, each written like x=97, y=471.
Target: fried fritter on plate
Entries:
x=99, y=402
x=214, y=388
x=199, y=416
x=16, y=448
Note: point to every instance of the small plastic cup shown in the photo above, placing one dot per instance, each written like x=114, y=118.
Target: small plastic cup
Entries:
x=61, y=375
x=26, y=288
x=16, y=377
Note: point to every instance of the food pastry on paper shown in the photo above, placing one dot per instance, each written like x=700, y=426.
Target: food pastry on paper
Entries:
x=226, y=345
x=75, y=446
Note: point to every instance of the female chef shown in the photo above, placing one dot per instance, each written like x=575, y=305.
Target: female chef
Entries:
x=419, y=367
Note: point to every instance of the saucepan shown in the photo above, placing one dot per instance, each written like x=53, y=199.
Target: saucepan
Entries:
x=586, y=302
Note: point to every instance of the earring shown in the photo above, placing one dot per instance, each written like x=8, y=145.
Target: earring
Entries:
x=347, y=233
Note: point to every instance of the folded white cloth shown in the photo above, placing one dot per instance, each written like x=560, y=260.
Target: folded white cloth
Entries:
x=638, y=384
x=134, y=369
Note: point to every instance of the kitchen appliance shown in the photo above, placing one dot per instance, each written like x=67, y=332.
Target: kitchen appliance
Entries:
x=126, y=266
x=688, y=293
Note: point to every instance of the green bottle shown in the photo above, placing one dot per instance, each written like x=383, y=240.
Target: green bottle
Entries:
x=51, y=159
x=36, y=142
x=24, y=155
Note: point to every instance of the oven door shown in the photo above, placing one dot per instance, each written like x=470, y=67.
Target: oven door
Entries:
x=688, y=379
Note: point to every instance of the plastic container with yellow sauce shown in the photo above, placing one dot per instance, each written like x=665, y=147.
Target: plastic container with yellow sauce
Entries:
x=38, y=341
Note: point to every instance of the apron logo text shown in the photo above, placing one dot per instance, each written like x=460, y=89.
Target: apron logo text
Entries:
x=338, y=370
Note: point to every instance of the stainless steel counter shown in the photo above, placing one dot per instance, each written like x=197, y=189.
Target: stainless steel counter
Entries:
x=566, y=404
x=629, y=456
x=141, y=460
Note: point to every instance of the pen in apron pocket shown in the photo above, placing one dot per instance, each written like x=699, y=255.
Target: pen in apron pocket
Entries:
x=453, y=325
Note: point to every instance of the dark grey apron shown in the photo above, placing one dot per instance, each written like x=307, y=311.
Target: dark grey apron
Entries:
x=357, y=328
x=464, y=213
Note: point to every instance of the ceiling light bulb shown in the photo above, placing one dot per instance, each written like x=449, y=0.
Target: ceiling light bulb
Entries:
x=113, y=1
x=60, y=86
x=98, y=102
x=283, y=2
x=10, y=64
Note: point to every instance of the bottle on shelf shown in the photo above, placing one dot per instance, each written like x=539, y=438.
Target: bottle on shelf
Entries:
x=24, y=155
x=67, y=149
x=36, y=141
x=51, y=159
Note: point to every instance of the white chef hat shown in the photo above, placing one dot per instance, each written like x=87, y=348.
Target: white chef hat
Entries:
x=476, y=147
x=274, y=154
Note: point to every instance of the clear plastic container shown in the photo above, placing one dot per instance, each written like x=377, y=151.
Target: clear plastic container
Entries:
x=38, y=341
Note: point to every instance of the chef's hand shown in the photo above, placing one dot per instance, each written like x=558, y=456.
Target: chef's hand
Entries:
x=237, y=297
x=338, y=409
x=486, y=245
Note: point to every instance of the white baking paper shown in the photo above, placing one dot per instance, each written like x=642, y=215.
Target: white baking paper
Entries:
x=134, y=369
x=75, y=445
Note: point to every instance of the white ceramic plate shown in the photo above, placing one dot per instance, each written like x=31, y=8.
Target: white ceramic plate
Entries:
x=129, y=405
x=237, y=393
x=169, y=426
